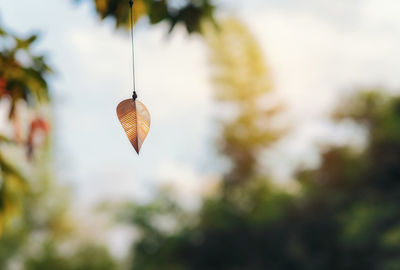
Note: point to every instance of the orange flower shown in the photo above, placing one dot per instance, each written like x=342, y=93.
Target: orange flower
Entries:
x=37, y=124
x=3, y=84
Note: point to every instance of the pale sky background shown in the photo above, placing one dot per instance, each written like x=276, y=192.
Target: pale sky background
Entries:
x=317, y=50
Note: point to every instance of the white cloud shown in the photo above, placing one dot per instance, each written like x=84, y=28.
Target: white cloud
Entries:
x=313, y=60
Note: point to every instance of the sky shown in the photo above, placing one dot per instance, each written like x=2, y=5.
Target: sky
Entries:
x=317, y=50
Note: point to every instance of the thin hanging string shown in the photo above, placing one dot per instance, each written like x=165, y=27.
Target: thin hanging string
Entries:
x=134, y=96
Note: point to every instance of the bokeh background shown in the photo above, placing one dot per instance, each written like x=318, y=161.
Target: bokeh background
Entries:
x=274, y=143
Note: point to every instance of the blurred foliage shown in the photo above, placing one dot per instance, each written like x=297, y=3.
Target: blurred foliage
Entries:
x=22, y=81
x=214, y=239
x=345, y=214
x=22, y=73
x=36, y=231
x=190, y=13
x=13, y=186
x=42, y=217
x=45, y=237
x=89, y=257
x=243, y=84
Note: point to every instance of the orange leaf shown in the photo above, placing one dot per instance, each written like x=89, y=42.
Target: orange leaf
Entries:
x=36, y=125
x=135, y=119
x=3, y=85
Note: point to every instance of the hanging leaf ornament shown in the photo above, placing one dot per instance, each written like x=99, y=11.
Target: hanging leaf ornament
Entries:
x=133, y=115
x=135, y=119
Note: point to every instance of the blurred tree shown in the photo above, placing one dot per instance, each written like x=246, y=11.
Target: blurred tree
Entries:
x=247, y=201
x=22, y=82
x=243, y=83
x=22, y=73
x=42, y=217
x=355, y=195
x=42, y=235
x=345, y=215
x=89, y=257
x=190, y=13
